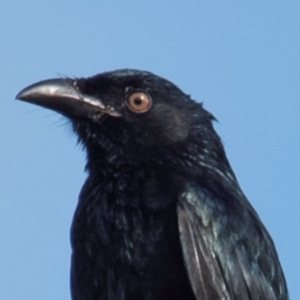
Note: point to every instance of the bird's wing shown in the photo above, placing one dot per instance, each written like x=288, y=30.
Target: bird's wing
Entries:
x=227, y=251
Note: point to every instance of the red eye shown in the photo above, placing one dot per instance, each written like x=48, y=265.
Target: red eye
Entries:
x=139, y=102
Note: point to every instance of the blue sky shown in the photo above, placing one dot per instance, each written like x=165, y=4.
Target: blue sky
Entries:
x=240, y=58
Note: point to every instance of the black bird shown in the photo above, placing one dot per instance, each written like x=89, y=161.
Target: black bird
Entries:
x=161, y=215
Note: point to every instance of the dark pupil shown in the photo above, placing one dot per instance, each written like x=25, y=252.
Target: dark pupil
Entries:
x=137, y=101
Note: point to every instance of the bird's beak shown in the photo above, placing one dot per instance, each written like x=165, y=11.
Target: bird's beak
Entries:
x=63, y=96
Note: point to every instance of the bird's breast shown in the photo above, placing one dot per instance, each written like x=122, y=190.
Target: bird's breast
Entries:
x=126, y=218
x=125, y=234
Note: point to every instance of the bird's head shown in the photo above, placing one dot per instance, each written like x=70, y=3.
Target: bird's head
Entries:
x=134, y=116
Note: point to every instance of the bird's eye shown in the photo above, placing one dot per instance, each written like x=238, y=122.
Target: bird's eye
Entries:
x=139, y=102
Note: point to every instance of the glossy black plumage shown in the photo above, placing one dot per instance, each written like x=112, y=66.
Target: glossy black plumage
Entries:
x=161, y=214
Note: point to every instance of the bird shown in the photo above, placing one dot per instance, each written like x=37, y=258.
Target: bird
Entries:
x=161, y=214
